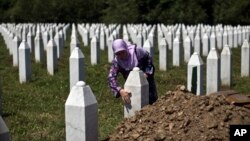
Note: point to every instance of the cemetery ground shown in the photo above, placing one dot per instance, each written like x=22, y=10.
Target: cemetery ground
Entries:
x=35, y=110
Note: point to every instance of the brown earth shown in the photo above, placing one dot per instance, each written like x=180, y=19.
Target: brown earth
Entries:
x=180, y=115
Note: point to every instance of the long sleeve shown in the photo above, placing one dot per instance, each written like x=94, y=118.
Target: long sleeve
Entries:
x=112, y=79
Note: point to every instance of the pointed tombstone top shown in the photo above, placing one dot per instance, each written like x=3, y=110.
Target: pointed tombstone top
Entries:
x=76, y=53
x=187, y=39
x=197, y=37
x=205, y=36
x=213, y=54
x=245, y=44
x=24, y=45
x=147, y=44
x=81, y=95
x=176, y=39
x=51, y=43
x=226, y=50
x=163, y=42
x=195, y=60
x=93, y=40
x=136, y=78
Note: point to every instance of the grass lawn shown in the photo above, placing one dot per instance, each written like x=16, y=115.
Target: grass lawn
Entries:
x=35, y=110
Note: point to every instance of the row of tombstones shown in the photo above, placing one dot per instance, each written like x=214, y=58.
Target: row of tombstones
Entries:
x=191, y=73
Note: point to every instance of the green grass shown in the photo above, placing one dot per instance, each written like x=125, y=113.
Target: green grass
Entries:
x=35, y=110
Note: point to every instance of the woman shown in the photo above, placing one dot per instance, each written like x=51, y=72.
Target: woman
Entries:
x=128, y=56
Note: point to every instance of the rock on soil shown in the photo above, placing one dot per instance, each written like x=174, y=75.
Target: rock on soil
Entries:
x=180, y=115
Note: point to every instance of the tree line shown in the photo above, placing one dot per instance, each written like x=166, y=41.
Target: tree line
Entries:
x=127, y=11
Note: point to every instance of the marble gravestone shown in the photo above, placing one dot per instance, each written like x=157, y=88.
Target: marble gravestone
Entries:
x=76, y=67
x=137, y=85
x=213, y=72
x=81, y=114
x=195, y=74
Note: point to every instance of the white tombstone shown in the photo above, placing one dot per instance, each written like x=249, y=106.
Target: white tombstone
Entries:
x=4, y=131
x=74, y=42
x=81, y=114
x=197, y=44
x=86, y=37
x=230, y=38
x=212, y=41
x=30, y=41
x=226, y=67
x=137, y=85
x=205, y=44
x=187, y=45
x=149, y=47
x=24, y=62
x=58, y=45
x=235, y=45
x=139, y=40
x=45, y=39
x=16, y=43
x=102, y=40
x=163, y=54
x=51, y=57
x=225, y=39
x=76, y=67
x=213, y=72
x=110, y=50
x=95, y=51
x=169, y=38
x=195, y=74
x=151, y=37
x=245, y=59
x=220, y=39
x=176, y=52
x=39, y=47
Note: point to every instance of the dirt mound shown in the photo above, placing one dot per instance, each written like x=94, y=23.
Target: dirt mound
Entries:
x=180, y=115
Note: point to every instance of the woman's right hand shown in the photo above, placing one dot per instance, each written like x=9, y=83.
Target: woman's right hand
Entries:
x=125, y=96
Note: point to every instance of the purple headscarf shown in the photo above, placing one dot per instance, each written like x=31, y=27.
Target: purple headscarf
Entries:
x=131, y=61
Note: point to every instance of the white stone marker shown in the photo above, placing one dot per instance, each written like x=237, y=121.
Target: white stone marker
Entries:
x=212, y=41
x=195, y=74
x=110, y=50
x=74, y=43
x=4, y=131
x=187, y=46
x=139, y=40
x=197, y=44
x=76, y=67
x=205, y=44
x=86, y=37
x=235, y=45
x=81, y=114
x=30, y=41
x=51, y=57
x=24, y=62
x=220, y=39
x=45, y=39
x=245, y=59
x=213, y=72
x=230, y=38
x=163, y=54
x=225, y=39
x=39, y=47
x=176, y=52
x=169, y=38
x=95, y=51
x=226, y=67
x=16, y=44
x=137, y=85
x=149, y=47
x=102, y=40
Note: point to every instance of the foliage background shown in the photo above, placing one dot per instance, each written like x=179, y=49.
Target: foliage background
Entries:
x=127, y=11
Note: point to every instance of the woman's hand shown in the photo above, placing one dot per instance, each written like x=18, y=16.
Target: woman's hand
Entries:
x=125, y=96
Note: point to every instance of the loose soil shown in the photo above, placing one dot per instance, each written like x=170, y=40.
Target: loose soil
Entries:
x=182, y=116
